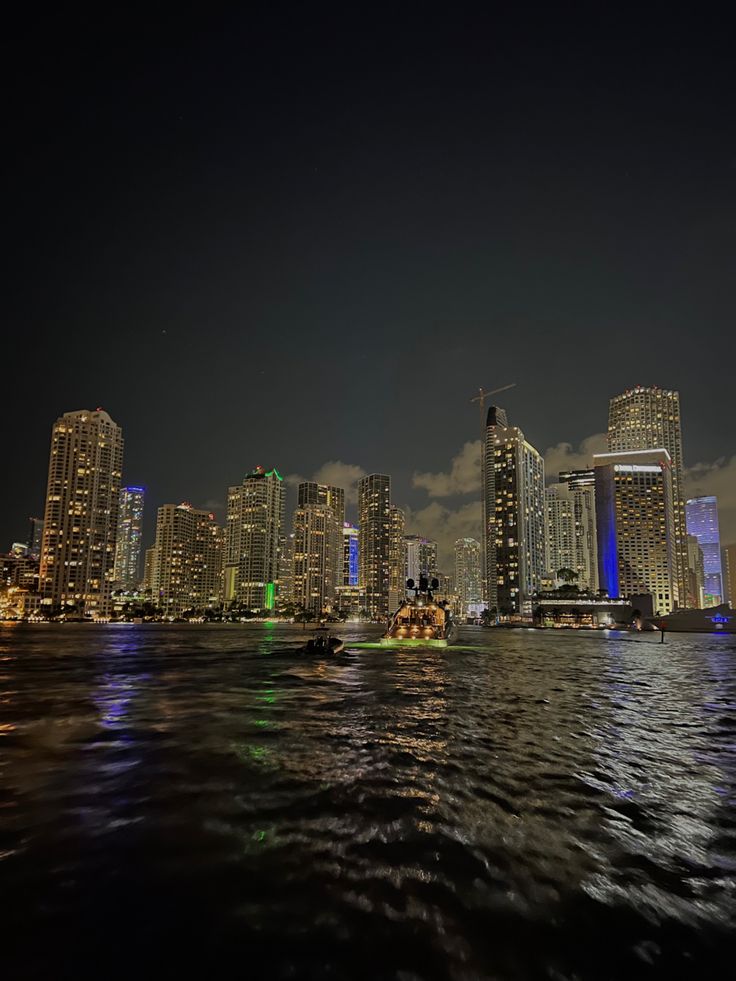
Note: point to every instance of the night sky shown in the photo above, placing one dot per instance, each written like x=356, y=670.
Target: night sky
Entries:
x=299, y=236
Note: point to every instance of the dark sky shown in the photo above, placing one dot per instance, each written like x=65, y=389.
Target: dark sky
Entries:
x=293, y=237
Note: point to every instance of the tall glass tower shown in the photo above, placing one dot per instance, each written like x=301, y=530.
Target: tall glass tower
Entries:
x=702, y=522
x=128, y=545
x=374, y=542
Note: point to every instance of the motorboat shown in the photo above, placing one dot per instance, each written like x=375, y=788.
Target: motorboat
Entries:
x=323, y=643
x=421, y=621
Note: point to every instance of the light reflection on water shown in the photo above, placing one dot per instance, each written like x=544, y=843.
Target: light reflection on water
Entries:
x=532, y=804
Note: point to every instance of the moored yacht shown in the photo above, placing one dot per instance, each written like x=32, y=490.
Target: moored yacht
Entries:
x=715, y=619
x=420, y=621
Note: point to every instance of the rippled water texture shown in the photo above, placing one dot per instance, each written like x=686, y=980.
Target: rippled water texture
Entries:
x=201, y=801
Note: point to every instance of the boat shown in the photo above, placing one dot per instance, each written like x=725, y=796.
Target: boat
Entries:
x=323, y=643
x=420, y=621
x=715, y=619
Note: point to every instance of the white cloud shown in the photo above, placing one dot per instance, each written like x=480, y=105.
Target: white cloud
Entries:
x=564, y=456
x=719, y=479
x=445, y=526
x=463, y=477
x=336, y=473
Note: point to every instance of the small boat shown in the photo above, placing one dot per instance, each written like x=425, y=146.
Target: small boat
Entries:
x=323, y=643
x=420, y=621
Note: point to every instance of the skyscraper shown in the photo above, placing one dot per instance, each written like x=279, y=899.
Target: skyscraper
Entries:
x=255, y=518
x=318, y=558
x=696, y=574
x=648, y=419
x=186, y=560
x=309, y=492
x=634, y=517
x=349, y=554
x=496, y=417
x=729, y=573
x=396, y=573
x=374, y=519
x=467, y=572
x=420, y=557
x=517, y=559
x=35, y=538
x=702, y=522
x=571, y=532
x=81, y=514
x=126, y=574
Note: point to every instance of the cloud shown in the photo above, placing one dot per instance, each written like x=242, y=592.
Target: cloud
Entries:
x=563, y=456
x=336, y=473
x=719, y=479
x=445, y=525
x=463, y=478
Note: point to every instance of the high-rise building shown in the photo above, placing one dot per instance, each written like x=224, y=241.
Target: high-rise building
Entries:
x=349, y=554
x=81, y=514
x=255, y=519
x=309, y=492
x=149, y=561
x=649, y=419
x=635, y=522
x=495, y=418
x=517, y=560
x=467, y=572
x=420, y=558
x=696, y=574
x=126, y=573
x=317, y=558
x=396, y=572
x=286, y=571
x=374, y=542
x=571, y=533
x=187, y=559
x=701, y=514
x=35, y=537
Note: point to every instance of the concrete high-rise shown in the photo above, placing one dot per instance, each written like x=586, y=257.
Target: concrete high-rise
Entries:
x=649, y=419
x=255, y=519
x=495, y=418
x=635, y=522
x=728, y=559
x=702, y=521
x=570, y=532
x=309, y=492
x=186, y=562
x=126, y=574
x=517, y=559
x=467, y=572
x=81, y=514
x=349, y=554
x=374, y=543
x=396, y=571
x=317, y=558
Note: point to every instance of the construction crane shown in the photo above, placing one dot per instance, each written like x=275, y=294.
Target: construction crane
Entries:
x=481, y=397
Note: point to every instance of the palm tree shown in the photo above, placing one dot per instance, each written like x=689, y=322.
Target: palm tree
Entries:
x=567, y=575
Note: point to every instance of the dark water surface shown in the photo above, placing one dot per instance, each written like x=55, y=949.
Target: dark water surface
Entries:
x=198, y=802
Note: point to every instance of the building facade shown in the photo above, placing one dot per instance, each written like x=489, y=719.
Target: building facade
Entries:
x=186, y=564
x=35, y=537
x=696, y=574
x=571, y=541
x=374, y=523
x=649, y=419
x=635, y=521
x=350, y=550
x=317, y=558
x=701, y=515
x=255, y=519
x=495, y=418
x=420, y=558
x=396, y=571
x=467, y=573
x=518, y=557
x=81, y=513
x=309, y=492
x=126, y=573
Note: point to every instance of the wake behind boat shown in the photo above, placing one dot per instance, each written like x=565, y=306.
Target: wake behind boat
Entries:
x=420, y=621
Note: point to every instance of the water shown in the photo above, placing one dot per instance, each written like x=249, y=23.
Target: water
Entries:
x=200, y=801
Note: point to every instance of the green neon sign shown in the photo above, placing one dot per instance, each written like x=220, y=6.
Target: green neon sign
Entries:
x=270, y=593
